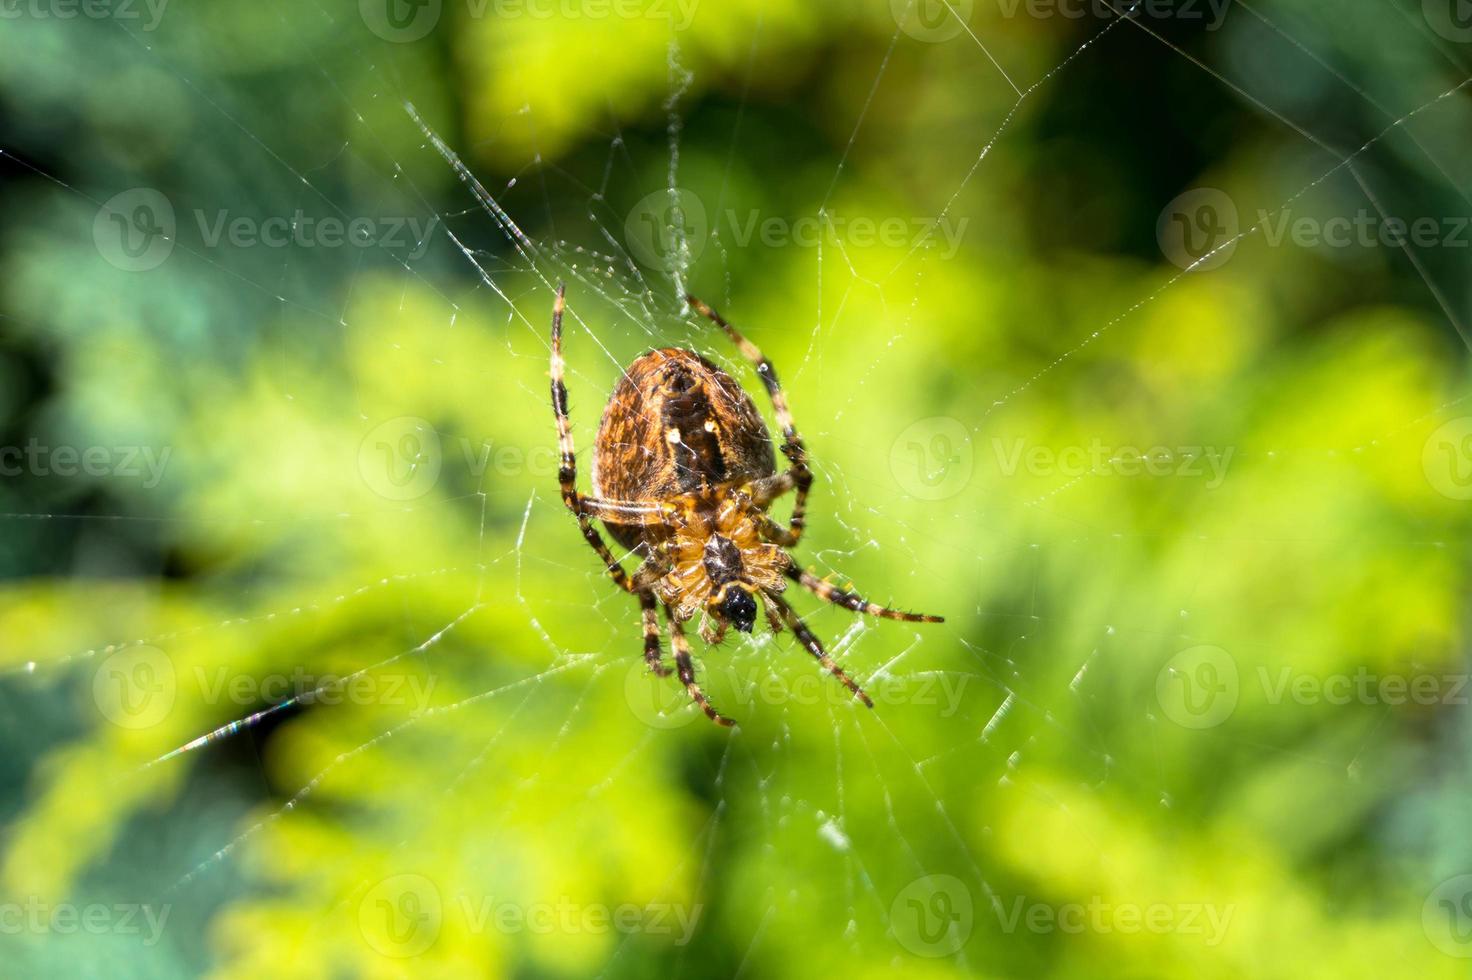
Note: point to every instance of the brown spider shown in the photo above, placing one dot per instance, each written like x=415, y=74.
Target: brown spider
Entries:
x=683, y=475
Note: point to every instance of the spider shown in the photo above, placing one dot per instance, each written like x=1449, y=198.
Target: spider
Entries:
x=683, y=476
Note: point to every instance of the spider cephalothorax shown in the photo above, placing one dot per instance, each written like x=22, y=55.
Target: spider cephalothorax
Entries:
x=683, y=475
x=718, y=563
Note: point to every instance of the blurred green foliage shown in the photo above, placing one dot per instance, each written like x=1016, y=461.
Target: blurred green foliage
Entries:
x=507, y=748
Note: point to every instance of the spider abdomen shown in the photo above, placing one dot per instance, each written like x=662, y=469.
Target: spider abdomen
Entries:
x=677, y=424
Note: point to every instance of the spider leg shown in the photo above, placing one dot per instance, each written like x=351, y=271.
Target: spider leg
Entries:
x=651, y=571
x=792, y=446
x=649, y=610
x=713, y=631
x=586, y=508
x=769, y=528
x=849, y=600
x=774, y=618
x=768, y=489
x=636, y=512
x=686, y=668
x=806, y=637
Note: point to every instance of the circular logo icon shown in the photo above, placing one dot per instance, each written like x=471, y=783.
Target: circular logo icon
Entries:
x=1197, y=688
x=1446, y=459
x=933, y=458
x=932, y=21
x=134, y=230
x=1447, y=917
x=932, y=916
x=659, y=702
x=1452, y=19
x=400, y=21
x=1197, y=230
x=666, y=230
x=401, y=916
x=400, y=459
x=135, y=688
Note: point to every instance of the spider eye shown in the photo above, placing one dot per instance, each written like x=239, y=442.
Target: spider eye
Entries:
x=739, y=608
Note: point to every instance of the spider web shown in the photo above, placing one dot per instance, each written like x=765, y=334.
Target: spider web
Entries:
x=1006, y=744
